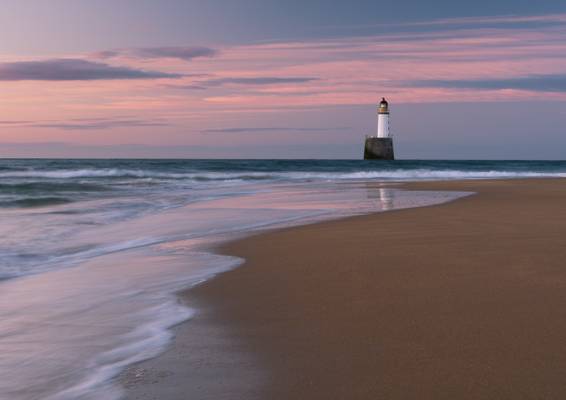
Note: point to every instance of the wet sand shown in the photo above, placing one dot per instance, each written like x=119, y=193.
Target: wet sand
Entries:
x=465, y=300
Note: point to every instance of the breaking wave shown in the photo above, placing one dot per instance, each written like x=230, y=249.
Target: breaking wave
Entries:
x=402, y=174
x=35, y=202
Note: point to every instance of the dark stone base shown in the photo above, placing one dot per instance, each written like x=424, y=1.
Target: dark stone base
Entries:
x=379, y=149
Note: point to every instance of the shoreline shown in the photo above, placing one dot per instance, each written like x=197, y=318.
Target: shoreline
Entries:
x=260, y=324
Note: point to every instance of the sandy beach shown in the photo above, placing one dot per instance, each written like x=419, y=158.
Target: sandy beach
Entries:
x=464, y=300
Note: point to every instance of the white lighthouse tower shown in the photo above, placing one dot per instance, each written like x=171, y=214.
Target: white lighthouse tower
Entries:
x=383, y=119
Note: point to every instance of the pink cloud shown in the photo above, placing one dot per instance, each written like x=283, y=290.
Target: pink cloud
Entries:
x=273, y=77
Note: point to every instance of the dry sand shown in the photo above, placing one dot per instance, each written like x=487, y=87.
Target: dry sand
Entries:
x=465, y=300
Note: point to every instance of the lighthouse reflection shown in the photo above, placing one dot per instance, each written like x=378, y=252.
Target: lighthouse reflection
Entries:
x=381, y=198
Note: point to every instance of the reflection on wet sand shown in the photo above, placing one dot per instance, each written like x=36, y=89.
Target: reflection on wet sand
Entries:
x=382, y=198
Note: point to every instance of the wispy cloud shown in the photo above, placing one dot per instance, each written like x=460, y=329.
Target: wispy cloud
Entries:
x=509, y=21
x=186, y=53
x=67, y=69
x=247, y=81
x=15, y=122
x=489, y=20
x=537, y=83
x=78, y=124
x=258, y=81
x=100, y=125
x=271, y=129
x=406, y=66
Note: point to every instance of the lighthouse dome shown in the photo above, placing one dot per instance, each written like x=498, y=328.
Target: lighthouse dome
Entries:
x=383, y=106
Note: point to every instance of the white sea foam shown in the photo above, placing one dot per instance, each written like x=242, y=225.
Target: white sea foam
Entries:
x=389, y=174
x=144, y=342
x=110, y=313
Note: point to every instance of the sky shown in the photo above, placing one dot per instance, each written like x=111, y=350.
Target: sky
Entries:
x=282, y=79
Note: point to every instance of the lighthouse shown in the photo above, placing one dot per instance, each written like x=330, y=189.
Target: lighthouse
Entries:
x=380, y=146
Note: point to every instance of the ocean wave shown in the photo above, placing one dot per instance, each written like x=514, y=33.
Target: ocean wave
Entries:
x=403, y=174
x=156, y=311
x=35, y=202
x=131, y=173
x=423, y=174
x=76, y=173
x=43, y=186
x=145, y=342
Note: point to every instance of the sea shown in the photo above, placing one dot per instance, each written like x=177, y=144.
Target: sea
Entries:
x=92, y=252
